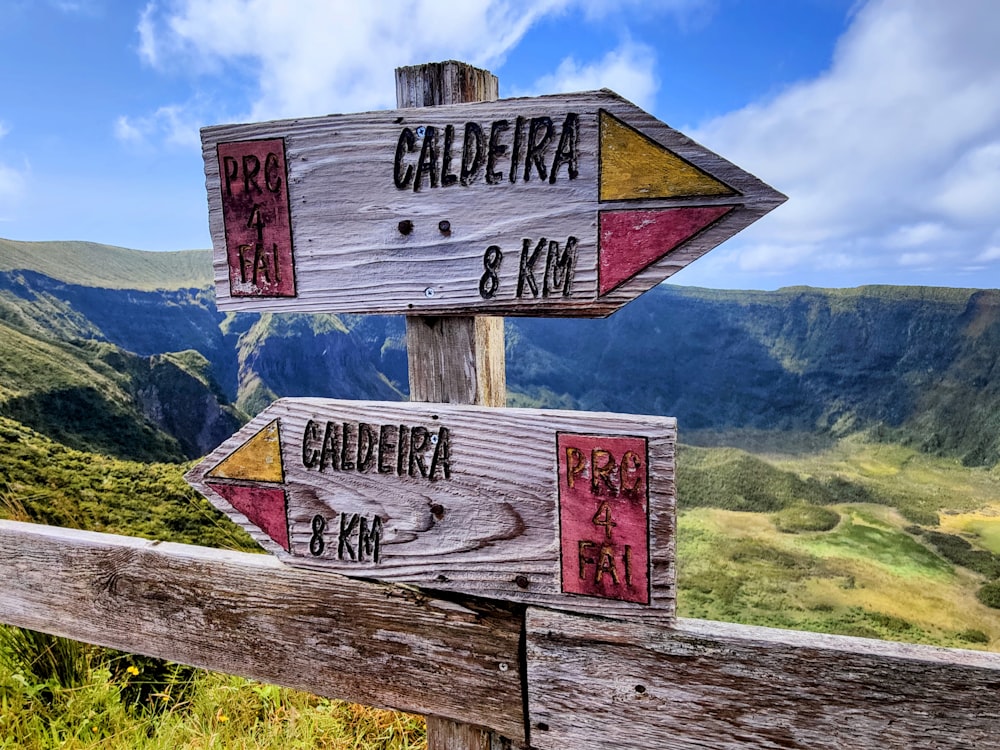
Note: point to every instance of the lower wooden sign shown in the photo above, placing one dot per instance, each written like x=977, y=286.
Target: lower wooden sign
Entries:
x=574, y=510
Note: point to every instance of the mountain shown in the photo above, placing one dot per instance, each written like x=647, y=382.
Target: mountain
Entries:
x=917, y=364
x=912, y=364
x=123, y=351
x=853, y=526
x=90, y=264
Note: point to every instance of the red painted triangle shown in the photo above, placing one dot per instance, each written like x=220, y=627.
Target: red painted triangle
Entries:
x=631, y=241
x=264, y=507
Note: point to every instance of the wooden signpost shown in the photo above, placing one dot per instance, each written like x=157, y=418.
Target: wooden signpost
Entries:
x=566, y=205
x=518, y=508
x=573, y=510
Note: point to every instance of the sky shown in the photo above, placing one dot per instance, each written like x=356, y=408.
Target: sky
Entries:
x=880, y=119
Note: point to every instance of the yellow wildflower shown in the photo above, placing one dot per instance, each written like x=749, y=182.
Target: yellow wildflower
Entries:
x=133, y=670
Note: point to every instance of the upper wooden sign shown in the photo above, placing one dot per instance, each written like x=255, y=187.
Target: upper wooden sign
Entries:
x=557, y=205
x=566, y=509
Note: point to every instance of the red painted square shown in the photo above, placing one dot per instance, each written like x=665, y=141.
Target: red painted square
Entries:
x=255, y=210
x=604, y=516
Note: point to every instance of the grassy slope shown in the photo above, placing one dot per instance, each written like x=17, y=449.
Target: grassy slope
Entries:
x=108, y=267
x=77, y=394
x=111, y=707
x=875, y=574
x=46, y=482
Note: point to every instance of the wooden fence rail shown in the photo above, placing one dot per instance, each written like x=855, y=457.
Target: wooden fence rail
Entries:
x=724, y=686
x=251, y=615
x=571, y=681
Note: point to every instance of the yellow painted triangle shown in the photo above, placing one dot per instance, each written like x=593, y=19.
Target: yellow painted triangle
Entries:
x=633, y=166
x=257, y=460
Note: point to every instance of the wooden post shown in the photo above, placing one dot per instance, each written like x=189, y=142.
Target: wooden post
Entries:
x=453, y=359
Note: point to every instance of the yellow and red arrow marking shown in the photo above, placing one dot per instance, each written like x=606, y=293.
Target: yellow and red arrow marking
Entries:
x=634, y=167
x=252, y=477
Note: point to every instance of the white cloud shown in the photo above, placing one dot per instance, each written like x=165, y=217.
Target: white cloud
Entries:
x=923, y=260
x=772, y=258
x=896, y=146
x=913, y=235
x=147, y=35
x=78, y=7
x=629, y=70
x=314, y=57
x=174, y=125
x=970, y=189
x=989, y=254
x=12, y=187
x=128, y=130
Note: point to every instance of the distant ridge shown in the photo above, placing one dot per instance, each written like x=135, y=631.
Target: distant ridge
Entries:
x=108, y=267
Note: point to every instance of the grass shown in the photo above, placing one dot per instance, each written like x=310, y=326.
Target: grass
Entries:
x=910, y=556
x=799, y=519
x=981, y=527
x=920, y=485
x=866, y=577
x=119, y=702
x=45, y=482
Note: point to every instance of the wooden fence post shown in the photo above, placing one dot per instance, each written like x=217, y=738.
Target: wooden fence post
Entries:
x=453, y=359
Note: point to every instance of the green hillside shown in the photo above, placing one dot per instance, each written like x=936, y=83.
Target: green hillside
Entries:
x=108, y=267
x=917, y=365
x=44, y=481
x=94, y=396
x=912, y=365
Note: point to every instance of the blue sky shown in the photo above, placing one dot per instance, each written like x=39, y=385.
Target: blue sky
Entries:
x=880, y=120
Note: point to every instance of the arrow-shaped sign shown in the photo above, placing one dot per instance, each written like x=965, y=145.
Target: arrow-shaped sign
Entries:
x=556, y=205
x=567, y=509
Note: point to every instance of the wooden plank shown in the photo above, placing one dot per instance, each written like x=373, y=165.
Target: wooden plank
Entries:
x=250, y=615
x=594, y=683
x=574, y=510
x=568, y=205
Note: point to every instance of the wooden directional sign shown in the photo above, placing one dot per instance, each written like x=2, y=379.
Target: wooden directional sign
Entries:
x=574, y=510
x=557, y=205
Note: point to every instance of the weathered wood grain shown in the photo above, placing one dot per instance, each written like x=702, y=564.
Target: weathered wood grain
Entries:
x=461, y=360
x=489, y=525
x=594, y=683
x=362, y=244
x=250, y=615
x=448, y=82
x=443, y=734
